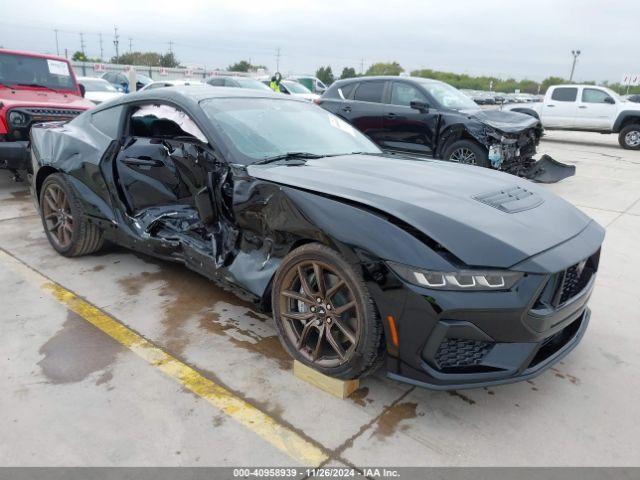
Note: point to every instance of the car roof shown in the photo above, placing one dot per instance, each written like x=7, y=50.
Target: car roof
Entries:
x=390, y=77
x=197, y=93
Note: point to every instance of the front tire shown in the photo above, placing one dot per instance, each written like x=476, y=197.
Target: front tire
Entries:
x=467, y=152
x=64, y=220
x=324, y=314
x=629, y=137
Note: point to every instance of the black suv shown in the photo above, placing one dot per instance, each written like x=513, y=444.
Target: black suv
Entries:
x=429, y=117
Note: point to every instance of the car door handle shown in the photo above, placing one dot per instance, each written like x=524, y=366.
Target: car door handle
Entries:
x=550, y=105
x=582, y=106
x=143, y=162
x=346, y=109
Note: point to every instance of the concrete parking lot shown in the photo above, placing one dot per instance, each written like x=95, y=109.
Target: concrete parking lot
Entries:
x=191, y=375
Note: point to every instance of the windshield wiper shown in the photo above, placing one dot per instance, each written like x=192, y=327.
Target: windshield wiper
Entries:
x=36, y=85
x=288, y=156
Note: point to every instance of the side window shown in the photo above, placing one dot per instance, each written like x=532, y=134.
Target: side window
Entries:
x=593, y=95
x=345, y=91
x=229, y=82
x=163, y=121
x=108, y=121
x=565, y=94
x=369, y=92
x=109, y=77
x=403, y=94
x=216, y=82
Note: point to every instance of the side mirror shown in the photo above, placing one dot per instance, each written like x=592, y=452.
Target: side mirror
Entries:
x=422, y=107
x=609, y=100
x=83, y=90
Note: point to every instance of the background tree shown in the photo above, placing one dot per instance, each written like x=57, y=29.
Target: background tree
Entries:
x=325, y=75
x=151, y=59
x=244, y=66
x=550, y=81
x=382, y=68
x=348, y=72
x=81, y=57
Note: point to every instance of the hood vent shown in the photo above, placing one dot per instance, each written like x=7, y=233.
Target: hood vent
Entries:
x=511, y=200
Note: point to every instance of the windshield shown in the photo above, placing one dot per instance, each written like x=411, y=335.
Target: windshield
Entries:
x=24, y=70
x=251, y=83
x=260, y=128
x=448, y=96
x=295, y=87
x=97, y=85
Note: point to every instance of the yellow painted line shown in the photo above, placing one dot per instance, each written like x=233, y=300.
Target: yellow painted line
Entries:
x=280, y=436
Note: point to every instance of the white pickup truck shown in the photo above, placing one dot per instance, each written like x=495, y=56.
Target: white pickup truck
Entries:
x=587, y=108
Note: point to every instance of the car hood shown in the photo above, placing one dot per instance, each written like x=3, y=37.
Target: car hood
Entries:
x=102, y=96
x=42, y=98
x=443, y=200
x=504, y=121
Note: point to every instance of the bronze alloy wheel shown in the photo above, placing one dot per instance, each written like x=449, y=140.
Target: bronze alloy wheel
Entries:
x=57, y=215
x=320, y=314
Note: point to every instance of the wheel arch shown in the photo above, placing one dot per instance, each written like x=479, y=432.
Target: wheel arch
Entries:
x=454, y=133
x=625, y=119
x=43, y=173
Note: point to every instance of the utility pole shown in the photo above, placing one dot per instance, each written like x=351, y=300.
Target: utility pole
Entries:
x=170, y=46
x=362, y=66
x=278, y=59
x=116, y=42
x=101, y=49
x=576, y=54
x=82, y=43
x=130, y=45
x=57, y=45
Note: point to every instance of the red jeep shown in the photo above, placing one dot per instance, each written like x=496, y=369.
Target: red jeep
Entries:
x=34, y=88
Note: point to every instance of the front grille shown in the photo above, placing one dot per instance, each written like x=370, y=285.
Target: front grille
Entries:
x=575, y=278
x=39, y=115
x=454, y=353
x=63, y=112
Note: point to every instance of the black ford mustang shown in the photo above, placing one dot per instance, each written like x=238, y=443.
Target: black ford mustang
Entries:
x=457, y=276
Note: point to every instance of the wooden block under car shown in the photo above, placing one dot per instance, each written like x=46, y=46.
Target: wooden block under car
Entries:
x=334, y=386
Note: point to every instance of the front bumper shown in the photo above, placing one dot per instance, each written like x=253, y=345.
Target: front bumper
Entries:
x=519, y=361
x=14, y=155
x=450, y=340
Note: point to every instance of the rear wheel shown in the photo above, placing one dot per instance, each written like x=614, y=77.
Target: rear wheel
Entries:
x=64, y=221
x=629, y=137
x=467, y=152
x=324, y=313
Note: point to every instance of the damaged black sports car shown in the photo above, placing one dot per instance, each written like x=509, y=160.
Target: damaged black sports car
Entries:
x=455, y=276
x=428, y=117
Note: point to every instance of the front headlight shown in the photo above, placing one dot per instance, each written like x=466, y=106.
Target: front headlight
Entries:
x=468, y=280
x=17, y=119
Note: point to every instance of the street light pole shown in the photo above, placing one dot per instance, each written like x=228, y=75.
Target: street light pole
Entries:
x=576, y=54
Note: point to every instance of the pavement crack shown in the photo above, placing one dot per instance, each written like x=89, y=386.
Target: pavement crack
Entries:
x=337, y=452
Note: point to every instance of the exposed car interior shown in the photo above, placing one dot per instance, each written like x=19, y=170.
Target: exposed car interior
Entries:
x=165, y=174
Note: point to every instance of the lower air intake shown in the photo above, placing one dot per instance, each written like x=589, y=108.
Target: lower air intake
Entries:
x=455, y=353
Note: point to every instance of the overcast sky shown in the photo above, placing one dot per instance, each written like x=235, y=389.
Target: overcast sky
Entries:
x=493, y=37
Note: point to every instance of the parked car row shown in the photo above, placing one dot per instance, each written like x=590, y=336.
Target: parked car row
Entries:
x=498, y=98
